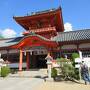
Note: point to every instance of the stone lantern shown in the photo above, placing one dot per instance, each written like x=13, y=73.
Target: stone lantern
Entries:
x=49, y=65
x=1, y=62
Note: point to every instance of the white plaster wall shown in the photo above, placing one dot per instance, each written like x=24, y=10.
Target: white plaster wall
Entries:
x=14, y=51
x=85, y=45
x=3, y=51
x=10, y=51
x=69, y=47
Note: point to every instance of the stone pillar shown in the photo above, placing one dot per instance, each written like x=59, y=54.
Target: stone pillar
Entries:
x=49, y=66
x=20, y=60
x=27, y=60
x=80, y=54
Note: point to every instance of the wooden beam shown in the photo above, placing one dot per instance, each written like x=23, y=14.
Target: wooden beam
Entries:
x=7, y=55
x=27, y=60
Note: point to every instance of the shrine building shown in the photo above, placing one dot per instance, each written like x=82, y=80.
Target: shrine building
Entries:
x=44, y=33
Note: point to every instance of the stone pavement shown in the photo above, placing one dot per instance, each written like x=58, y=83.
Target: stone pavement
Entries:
x=33, y=80
x=25, y=80
x=19, y=83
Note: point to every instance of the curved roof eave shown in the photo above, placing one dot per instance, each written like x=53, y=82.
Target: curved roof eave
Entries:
x=14, y=41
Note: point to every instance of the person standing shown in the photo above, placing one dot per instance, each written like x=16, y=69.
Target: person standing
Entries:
x=85, y=73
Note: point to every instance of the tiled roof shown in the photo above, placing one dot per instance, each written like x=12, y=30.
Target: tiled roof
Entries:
x=1, y=37
x=13, y=41
x=9, y=41
x=45, y=11
x=73, y=36
x=61, y=37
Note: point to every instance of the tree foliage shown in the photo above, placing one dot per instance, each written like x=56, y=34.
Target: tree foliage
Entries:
x=68, y=70
x=75, y=55
x=53, y=72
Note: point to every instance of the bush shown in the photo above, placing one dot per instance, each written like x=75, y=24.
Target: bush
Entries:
x=54, y=73
x=5, y=71
x=68, y=71
x=76, y=76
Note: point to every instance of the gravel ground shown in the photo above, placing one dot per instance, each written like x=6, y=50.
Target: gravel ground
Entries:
x=63, y=86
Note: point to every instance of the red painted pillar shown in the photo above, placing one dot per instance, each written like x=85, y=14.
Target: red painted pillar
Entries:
x=27, y=60
x=20, y=60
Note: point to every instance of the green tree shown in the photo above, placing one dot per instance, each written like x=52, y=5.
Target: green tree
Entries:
x=74, y=55
x=68, y=71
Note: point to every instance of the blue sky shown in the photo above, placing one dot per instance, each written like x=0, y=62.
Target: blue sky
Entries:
x=75, y=12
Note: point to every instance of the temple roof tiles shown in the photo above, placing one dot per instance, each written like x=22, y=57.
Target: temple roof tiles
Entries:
x=12, y=41
x=77, y=35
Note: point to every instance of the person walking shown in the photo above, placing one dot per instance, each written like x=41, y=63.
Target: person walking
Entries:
x=85, y=73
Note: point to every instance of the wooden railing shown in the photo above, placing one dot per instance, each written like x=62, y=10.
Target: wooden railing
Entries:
x=44, y=29
x=49, y=29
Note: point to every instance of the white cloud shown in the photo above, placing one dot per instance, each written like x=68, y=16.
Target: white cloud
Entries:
x=0, y=31
x=20, y=34
x=8, y=33
x=68, y=27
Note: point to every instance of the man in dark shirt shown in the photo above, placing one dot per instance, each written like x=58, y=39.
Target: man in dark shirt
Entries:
x=85, y=72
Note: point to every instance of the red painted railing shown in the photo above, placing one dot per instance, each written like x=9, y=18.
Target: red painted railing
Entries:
x=40, y=30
